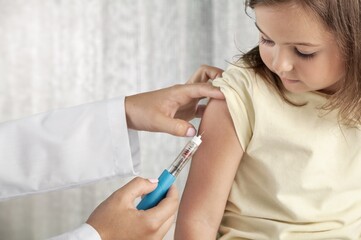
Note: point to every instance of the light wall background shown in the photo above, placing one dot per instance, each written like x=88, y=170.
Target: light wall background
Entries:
x=61, y=53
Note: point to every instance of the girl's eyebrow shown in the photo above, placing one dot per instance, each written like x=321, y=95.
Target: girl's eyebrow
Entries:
x=293, y=43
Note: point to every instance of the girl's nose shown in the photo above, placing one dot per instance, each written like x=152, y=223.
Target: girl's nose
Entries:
x=281, y=61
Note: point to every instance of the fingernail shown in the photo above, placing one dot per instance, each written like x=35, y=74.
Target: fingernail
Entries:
x=191, y=132
x=153, y=180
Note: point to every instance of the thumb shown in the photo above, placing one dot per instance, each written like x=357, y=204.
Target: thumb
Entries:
x=176, y=127
x=138, y=187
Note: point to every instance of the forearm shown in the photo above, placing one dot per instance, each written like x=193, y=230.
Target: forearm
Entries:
x=64, y=148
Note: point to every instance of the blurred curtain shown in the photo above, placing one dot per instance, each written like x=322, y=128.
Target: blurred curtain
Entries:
x=60, y=53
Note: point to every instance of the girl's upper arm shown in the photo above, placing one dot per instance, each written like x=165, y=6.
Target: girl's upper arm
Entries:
x=211, y=175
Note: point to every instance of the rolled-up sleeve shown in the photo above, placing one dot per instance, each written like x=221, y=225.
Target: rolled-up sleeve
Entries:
x=237, y=86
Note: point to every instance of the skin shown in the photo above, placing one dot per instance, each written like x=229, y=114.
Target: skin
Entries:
x=117, y=218
x=169, y=110
x=302, y=52
x=209, y=179
x=166, y=110
x=213, y=170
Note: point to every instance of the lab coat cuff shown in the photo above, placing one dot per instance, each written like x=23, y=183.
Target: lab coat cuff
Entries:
x=85, y=231
x=125, y=141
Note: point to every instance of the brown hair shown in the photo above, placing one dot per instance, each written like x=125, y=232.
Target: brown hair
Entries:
x=343, y=19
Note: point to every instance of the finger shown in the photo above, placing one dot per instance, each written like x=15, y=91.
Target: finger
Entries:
x=211, y=73
x=166, y=208
x=172, y=192
x=204, y=73
x=206, y=91
x=171, y=220
x=164, y=229
x=176, y=127
x=136, y=188
x=199, y=90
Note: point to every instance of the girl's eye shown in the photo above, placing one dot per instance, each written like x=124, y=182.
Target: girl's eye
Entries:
x=304, y=55
x=300, y=54
x=266, y=41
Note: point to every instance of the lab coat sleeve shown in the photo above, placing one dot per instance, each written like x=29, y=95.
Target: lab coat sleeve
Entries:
x=85, y=231
x=65, y=148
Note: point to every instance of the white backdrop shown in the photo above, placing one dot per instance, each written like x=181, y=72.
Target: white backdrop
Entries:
x=60, y=53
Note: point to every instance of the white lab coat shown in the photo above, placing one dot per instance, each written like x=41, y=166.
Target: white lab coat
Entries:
x=65, y=148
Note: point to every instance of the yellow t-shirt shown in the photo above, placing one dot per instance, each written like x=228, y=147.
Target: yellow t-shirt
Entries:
x=300, y=175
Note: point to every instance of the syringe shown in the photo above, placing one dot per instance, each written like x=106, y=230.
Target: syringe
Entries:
x=167, y=178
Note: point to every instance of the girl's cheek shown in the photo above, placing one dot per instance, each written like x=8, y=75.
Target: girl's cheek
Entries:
x=266, y=56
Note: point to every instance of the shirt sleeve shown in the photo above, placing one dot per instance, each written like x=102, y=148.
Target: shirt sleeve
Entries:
x=66, y=148
x=236, y=84
x=85, y=231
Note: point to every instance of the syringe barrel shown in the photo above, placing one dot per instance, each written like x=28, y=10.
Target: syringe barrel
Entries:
x=168, y=176
x=184, y=156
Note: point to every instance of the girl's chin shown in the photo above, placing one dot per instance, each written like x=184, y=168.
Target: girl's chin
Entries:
x=298, y=90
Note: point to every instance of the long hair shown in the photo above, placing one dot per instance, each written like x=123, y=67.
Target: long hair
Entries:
x=343, y=19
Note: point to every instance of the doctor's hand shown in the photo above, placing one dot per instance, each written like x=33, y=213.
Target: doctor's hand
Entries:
x=117, y=218
x=169, y=109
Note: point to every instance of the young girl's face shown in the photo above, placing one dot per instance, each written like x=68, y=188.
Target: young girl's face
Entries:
x=299, y=49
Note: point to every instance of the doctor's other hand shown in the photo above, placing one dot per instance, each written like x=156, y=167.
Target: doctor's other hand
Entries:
x=169, y=109
x=117, y=218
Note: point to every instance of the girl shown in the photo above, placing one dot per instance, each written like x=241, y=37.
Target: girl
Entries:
x=281, y=158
